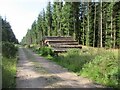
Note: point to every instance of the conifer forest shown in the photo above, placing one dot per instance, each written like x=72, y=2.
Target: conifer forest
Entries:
x=69, y=44
x=93, y=24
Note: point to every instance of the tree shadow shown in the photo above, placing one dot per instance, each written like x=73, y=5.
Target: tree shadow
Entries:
x=48, y=74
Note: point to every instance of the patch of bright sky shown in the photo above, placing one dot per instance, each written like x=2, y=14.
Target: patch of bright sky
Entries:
x=21, y=14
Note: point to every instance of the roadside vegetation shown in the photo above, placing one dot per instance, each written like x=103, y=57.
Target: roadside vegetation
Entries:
x=9, y=61
x=97, y=64
x=8, y=72
x=92, y=24
x=9, y=55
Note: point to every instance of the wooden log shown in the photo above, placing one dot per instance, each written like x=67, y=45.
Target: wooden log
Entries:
x=57, y=37
x=58, y=41
x=59, y=50
x=67, y=46
x=61, y=44
x=64, y=43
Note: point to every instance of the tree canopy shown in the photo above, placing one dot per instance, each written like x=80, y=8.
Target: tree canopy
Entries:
x=7, y=33
x=90, y=23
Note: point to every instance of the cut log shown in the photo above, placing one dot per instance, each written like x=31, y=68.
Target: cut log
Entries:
x=60, y=43
x=57, y=38
x=67, y=46
x=64, y=43
x=59, y=50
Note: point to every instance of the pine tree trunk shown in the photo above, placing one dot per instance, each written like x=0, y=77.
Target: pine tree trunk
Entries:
x=101, y=24
x=114, y=36
x=111, y=28
x=106, y=34
x=74, y=35
x=68, y=32
x=48, y=30
x=94, y=26
x=88, y=22
x=83, y=31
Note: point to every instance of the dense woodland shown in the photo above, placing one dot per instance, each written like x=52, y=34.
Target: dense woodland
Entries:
x=94, y=24
x=8, y=40
x=7, y=33
x=9, y=53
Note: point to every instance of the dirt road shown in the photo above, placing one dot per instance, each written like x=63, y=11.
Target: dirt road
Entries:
x=34, y=71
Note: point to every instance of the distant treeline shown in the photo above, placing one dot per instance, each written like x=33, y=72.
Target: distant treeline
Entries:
x=9, y=40
x=94, y=24
x=7, y=32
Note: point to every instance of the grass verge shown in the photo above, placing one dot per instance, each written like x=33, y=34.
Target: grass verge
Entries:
x=8, y=72
x=100, y=65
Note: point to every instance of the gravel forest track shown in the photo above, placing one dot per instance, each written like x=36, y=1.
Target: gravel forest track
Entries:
x=33, y=71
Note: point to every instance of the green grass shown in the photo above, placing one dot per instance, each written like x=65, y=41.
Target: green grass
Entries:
x=8, y=72
x=100, y=65
x=103, y=69
x=97, y=64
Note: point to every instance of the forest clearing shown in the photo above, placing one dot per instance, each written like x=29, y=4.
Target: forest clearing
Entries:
x=69, y=45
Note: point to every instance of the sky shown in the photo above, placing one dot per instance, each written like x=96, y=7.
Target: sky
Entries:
x=21, y=14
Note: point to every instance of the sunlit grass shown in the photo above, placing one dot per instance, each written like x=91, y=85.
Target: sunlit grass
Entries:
x=98, y=64
x=8, y=72
x=103, y=68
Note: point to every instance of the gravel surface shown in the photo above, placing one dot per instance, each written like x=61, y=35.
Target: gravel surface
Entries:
x=34, y=71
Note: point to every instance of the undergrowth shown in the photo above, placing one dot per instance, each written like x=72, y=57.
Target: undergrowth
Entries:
x=9, y=50
x=8, y=72
x=103, y=68
x=100, y=65
x=9, y=60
